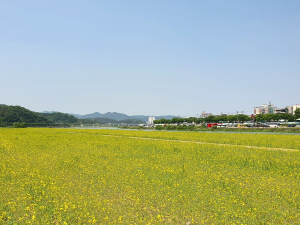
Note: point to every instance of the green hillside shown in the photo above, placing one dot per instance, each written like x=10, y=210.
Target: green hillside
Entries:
x=58, y=117
x=11, y=114
x=18, y=114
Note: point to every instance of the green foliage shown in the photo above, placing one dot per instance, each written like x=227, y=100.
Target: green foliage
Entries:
x=182, y=127
x=16, y=115
x=170, y=127
x=2, y=122
x=191, y=128
x=19, y=125
x=231, y=118
x=11, y=114
x=259, y=118
x=175, y=120
x=58, y=117
x=214, y=128
x=102, y=120
x=297, y=113
x=209, y=119
x=159, y=127
x=191, y=120
x=203, y=125
x=274, y=117
x=131, y=121
x=243, y=118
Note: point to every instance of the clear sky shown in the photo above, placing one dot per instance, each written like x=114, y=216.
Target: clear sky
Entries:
x=149, y=57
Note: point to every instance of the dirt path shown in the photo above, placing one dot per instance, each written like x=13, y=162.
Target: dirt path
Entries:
x=209, y=143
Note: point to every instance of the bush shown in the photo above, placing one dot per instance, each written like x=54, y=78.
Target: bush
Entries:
x=182, y=127
x=170, y=127
x=191, y=128
x=159, y=127
x=203, y=125
x=214, y=128
x=20, y=125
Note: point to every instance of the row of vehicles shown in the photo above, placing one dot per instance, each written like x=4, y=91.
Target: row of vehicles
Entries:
x=250, y=124
x=223, y=125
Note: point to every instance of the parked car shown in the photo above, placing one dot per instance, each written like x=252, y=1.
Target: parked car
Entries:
x=292, y=125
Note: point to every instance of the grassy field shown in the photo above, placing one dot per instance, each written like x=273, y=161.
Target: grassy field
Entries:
x=77, y=176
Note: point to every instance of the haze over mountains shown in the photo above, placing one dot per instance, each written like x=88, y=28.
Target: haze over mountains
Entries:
x=119, y=116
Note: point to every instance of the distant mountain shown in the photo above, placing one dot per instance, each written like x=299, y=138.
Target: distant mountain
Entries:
x=76, y=115
x=11, y=114
x=49, y=111
x=109, y=115
x=119, y=116
x=102, y=120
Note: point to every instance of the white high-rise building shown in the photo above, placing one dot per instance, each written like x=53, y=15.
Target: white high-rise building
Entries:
x=291, y=109
x=151, y=119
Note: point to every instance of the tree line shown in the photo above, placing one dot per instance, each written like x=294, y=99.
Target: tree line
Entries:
x=209, y=119
x=277, y=117
x=58, y=117
x=232, y=118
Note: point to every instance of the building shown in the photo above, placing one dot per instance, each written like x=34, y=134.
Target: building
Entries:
x=265, y=109
x=204, y=114
x=150, y=120
x=280, y=110
x=291, y=109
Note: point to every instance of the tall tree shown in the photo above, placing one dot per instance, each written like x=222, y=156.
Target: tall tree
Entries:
x=297, y=113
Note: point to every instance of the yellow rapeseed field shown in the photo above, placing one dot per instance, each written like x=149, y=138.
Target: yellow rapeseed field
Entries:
x=82, y=176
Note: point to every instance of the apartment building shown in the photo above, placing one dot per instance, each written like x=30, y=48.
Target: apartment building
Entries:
x=265, y=109
x=204, y=114
x=291, y=109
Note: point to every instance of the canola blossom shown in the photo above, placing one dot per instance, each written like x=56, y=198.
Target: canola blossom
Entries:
x=81, y=176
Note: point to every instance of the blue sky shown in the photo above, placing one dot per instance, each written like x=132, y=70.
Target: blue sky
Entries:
x=149, y=57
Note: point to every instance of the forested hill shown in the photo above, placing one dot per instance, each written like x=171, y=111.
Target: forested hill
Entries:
x=11, y=114
x=120, y=116
x=58, y=117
